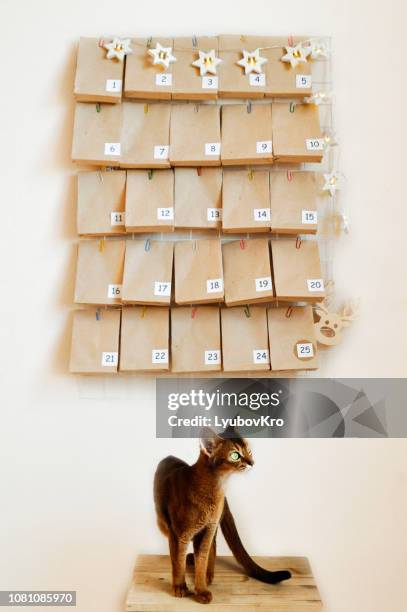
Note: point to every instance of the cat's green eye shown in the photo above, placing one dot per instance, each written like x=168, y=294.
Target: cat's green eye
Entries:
x=234, y=456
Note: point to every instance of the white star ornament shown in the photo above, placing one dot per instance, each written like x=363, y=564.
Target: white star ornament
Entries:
x=252, y=61
x=296, y=55
x=162, y=56
x=118, y=48
x=207, y=62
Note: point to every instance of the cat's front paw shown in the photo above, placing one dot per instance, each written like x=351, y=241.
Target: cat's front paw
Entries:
x=203, y=597
x=180, y=590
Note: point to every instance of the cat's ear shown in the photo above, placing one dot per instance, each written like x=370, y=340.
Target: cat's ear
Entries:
x=231, y=433
x=209, y=440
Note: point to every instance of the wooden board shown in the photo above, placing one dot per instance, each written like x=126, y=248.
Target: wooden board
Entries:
x=231, y=589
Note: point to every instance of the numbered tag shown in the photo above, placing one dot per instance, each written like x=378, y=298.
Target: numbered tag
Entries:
x=261, y=356
x=214, y=214
x=214, y=285
x=159, y=356
x=109, y=359
x=161, y=151
x=212, y=148
x=314, y=144
x=303, y=81
x=212, y=357
x=315, y=284
x=163, y=80
x=309, y=217
x=210, y=82
x=114, y=291
x=112, y=148
x=304, y=350
x=264, y=146
x=264, y=284
x=113, y=85
x=162, y=288
x=165, y=214
x=257, y=80
x=117, y=218
x=261, y=214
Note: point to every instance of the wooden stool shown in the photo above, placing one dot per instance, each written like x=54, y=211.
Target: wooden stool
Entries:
x=231, y=589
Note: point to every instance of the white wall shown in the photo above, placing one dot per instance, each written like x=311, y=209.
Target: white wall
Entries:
x=76, y=458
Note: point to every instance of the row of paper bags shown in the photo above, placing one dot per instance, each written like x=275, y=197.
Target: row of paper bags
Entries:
x=243, y=271
x=100, y=79
x=160, y=135
x=116, y=202
x=193, y=339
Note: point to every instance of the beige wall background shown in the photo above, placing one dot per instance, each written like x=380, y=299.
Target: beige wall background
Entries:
x=77, y=457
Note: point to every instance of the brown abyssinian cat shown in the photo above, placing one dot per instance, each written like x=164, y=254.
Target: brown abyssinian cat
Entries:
x=190, y=504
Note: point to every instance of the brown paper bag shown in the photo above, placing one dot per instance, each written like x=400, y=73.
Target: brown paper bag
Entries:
x=142, y=78
x=99, y=272
x=144, y=340
x=245, y=345
x=247, y=271
x=97, y=79
x=246, y=201
x=95, y=341
x=147, y=272
x=292, y=339
x=188, y=84
x=198, y=272
x=195, y=339
x=97, y=134
x=297, y=134
x=281, y=79
x=100, y=208
x=145, y=135
x=198, y=198
x=293, y=198
x=150, y=201
x=297, y=270
x=246, y=136
x=195, y=135
x=233, y=82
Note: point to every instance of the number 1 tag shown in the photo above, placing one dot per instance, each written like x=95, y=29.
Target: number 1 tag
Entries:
x=304, y=350
x=113, y=85
x=109, y=359
x=261, y=356
x=214, y=285
x=159, y=356
x=114, y=291
x=212, y=357
x=264, y=146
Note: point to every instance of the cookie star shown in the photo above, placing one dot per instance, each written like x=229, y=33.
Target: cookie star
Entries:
x=118, y=48
x=296, y=55
x=207, y=62
x=162, y=56
x=252, y=61
x=331, y=182
x=318, y=97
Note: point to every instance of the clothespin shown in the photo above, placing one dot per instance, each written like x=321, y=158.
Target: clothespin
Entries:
x=149, y=41
x=288, y=312
x=147, y=244
x=298, y=242
x=289, y=175
x=150, y=175
x=249, y=106
x=102, y=245
x=98, y=315
x=145, y=109
x=143, y=312
x=199, y=171
x=194, y=41
x=98, y=107
x=193, y=312
x=250, y=174
x=247, y=311
x=242, y=243
x=292, y=107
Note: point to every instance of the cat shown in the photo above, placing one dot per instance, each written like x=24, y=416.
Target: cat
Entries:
x=190, y=504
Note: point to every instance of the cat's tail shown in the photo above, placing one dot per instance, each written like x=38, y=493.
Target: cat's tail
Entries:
x=235, y=544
